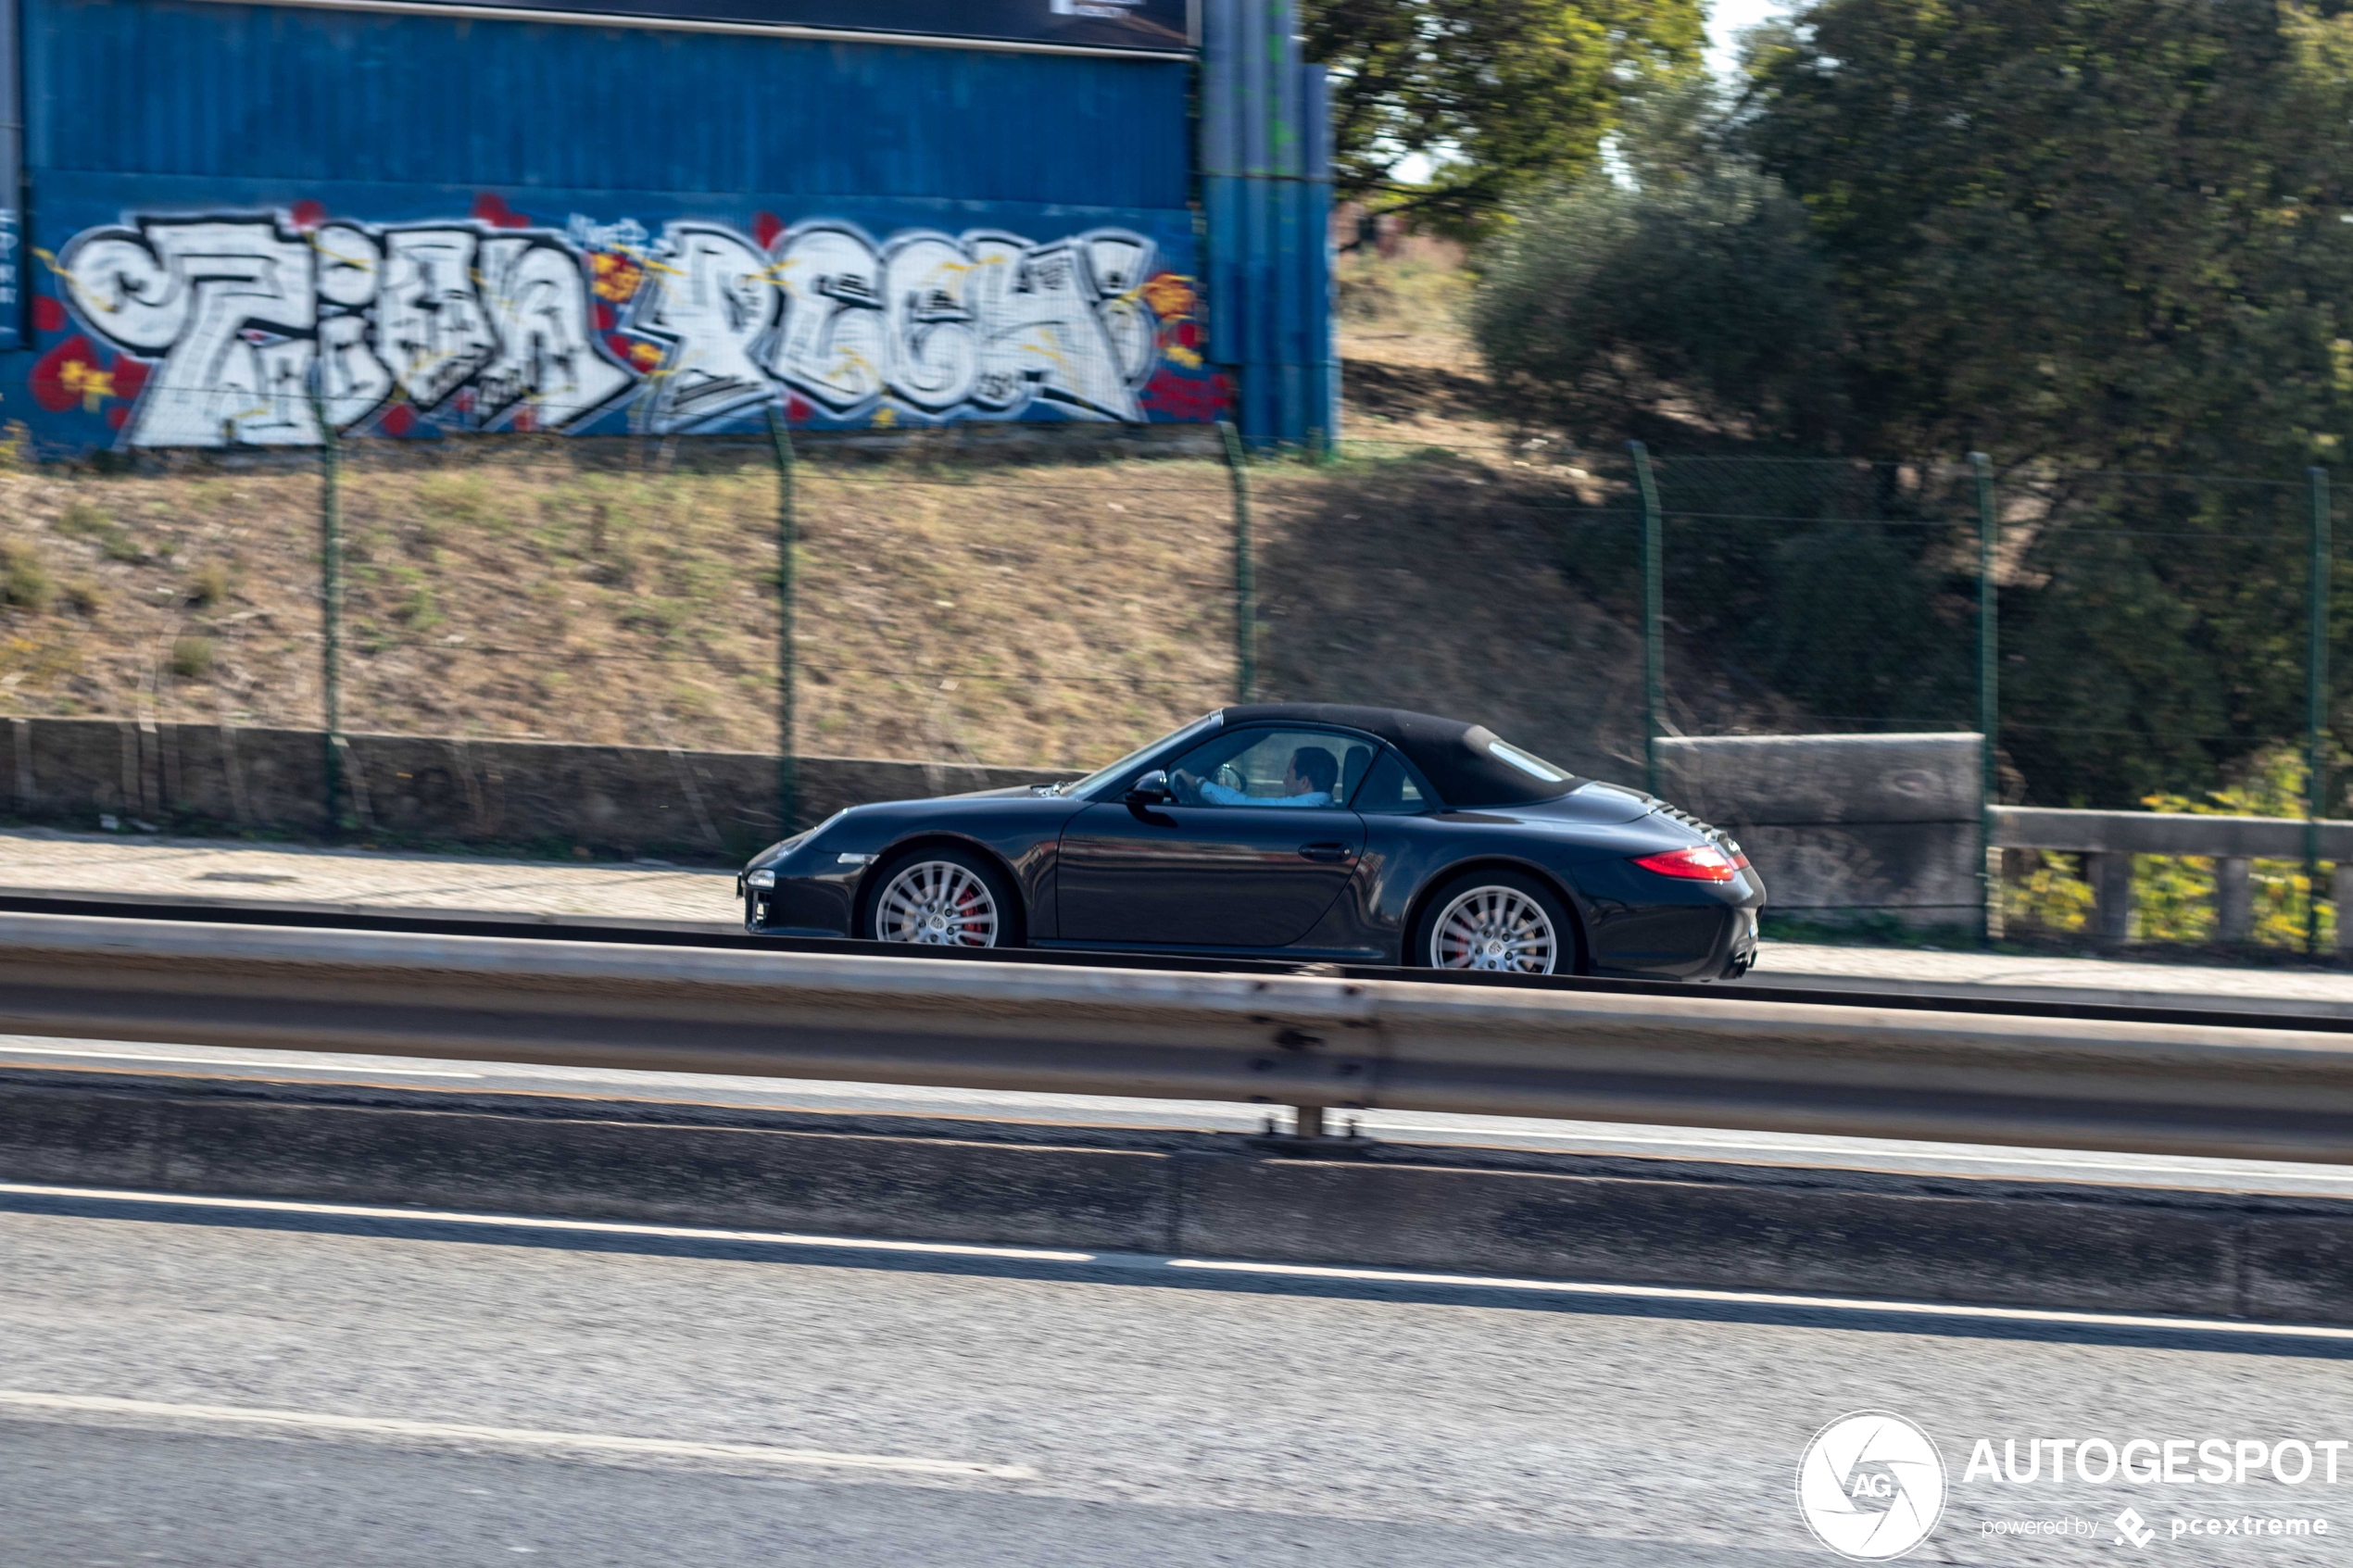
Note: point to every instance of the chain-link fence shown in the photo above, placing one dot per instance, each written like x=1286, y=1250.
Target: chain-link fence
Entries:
x=2131, y=641
x=1048, y=599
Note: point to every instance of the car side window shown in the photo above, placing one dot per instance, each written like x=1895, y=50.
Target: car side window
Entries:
x=1388, y=790
x=1296, y=768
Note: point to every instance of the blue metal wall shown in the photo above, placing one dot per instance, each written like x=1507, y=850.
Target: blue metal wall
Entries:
x=200, y=89
x=1265, y=148
x=929, y=202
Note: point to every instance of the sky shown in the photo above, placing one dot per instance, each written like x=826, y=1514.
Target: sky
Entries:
x=1728, y=19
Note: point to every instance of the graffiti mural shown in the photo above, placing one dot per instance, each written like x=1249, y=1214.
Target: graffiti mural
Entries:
x=245, y=328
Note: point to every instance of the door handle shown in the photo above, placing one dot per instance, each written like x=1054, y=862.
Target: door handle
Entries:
x=1326, y=851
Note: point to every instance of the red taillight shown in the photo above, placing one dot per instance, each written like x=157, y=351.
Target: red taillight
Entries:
x=1701, y=862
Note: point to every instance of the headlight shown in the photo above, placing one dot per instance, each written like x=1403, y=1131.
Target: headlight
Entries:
x=761, y=879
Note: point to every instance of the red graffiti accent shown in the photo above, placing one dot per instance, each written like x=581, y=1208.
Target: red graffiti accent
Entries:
x=606, y=319
x=1188, y=334
x=119, y=416
x=307, y=215
x=526, y=420
x=464, y=401
x=129, y=375
x=398, y=419
x=492, y=209
x=1188, y=398
x=48, y=314
x=765, y=227
x=67, y=375
x=798, y=410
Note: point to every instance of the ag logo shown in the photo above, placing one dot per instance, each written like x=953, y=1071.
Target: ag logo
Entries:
x=1870, y=1486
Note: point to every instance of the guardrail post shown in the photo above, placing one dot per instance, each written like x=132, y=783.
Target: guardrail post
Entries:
x=787, y=541
x=331, y=605
x=1989, y=920
x=2341, y=894
x=1653, y=611
x=2233, y=899
x=1245, y=568
x=2110, y=874
x=1309, y=1124
x=2316, y=710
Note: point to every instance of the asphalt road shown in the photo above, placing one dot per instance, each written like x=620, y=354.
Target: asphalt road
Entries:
x=310, y=1389
x=1398, y=1126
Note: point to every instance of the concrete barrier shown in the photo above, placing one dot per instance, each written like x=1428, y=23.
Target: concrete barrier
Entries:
x=1515, y=1213
x=1843, y=825
x=620, y=801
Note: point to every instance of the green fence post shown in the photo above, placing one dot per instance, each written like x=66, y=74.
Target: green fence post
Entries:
x=1245, y=569
x=787, y=541
x=1989, y=711
x=1653, y=611
x=2316, y=709
x=330, y=604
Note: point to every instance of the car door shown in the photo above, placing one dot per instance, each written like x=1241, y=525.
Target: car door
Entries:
x=1242, y=858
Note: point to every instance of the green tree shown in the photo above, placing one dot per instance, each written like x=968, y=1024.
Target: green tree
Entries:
x=1499, y=94
x=1683, y=273
x=2089, y=232
x=2082, y=235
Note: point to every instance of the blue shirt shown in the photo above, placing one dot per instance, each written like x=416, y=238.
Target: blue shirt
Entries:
x=1220, y=794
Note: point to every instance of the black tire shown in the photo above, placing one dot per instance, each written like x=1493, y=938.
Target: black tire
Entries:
x=935, y=892
x=1422, y=950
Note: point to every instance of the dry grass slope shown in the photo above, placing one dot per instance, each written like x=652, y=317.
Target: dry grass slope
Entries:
x=1015, y=610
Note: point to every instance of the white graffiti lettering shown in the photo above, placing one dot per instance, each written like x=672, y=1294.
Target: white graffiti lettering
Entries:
x=707, y=300
x=258, y=321
x=539, y=312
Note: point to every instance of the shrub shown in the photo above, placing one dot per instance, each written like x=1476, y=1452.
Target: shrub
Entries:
x=208, y=585
x=191, y=658
x=24, y=581
x=1689, y=275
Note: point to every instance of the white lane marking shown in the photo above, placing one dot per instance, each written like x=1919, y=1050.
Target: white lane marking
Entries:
x=1962, y=1157
x=523, y=1221
x=517, y=1437
x=1131, y=1260
x=233, y=1061
x=1771, y=1298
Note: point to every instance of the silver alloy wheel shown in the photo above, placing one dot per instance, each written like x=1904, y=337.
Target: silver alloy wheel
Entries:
x=1494, y=927
x=939, y=903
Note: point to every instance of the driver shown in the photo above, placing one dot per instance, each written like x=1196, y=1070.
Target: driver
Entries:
x=1308, y=781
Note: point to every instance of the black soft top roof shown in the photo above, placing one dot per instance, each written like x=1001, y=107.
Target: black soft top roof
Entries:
x=1453, y=756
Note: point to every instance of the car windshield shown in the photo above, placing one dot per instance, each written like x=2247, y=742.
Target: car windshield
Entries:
x=1101, y=776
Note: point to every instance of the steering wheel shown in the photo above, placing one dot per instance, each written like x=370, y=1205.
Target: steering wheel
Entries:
x=1229, y=775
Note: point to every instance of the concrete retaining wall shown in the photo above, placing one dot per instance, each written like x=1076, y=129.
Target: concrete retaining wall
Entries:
x=610, y=799
x=1842, y=825
x=1632, y=1221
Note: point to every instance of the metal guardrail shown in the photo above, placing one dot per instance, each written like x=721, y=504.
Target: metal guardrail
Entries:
x=1694, y=1060
x=2108, y=840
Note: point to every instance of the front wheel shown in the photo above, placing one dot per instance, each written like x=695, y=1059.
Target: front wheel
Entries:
x=944, y=899
x=1495, y=921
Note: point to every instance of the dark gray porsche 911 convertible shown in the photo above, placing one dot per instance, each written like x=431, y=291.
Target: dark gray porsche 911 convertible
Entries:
x=1301, y=830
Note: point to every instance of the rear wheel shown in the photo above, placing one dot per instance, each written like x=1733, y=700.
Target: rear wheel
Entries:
x=1495, y=921
x=944, y=899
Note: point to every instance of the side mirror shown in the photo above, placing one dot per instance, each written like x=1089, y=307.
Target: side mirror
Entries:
x=1151, y=790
